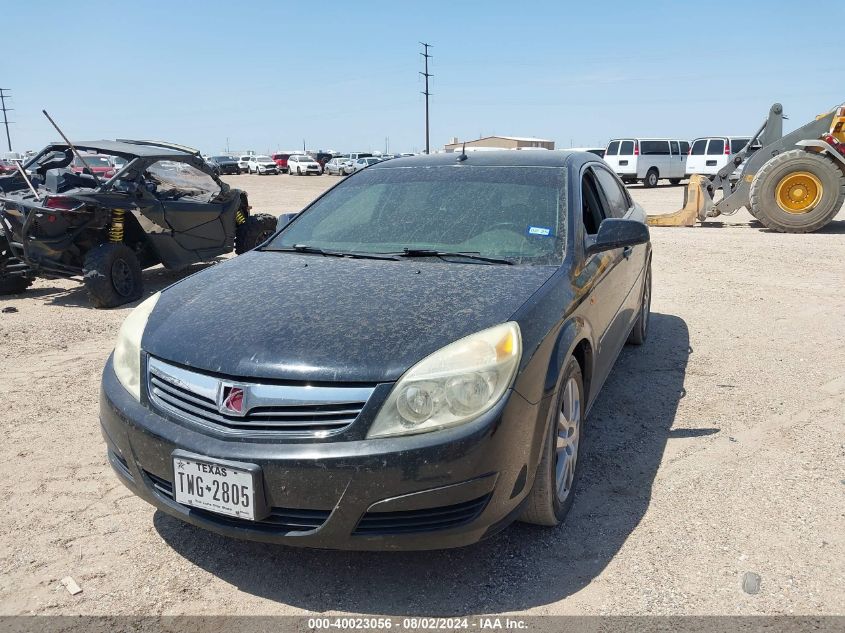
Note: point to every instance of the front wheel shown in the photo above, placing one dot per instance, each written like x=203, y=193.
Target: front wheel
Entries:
x=554, y=484
x=256, y=230
x=112, y=275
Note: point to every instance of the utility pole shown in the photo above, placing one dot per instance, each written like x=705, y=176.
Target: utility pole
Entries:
x=3, y=95
x=427, y=94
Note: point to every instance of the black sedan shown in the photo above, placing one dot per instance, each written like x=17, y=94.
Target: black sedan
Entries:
x=406, y=365
x=225, y=165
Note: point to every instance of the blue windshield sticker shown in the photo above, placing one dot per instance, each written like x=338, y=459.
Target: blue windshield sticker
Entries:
x=539, y=230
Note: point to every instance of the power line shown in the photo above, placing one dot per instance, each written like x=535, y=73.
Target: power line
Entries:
x=427, y=94
x=3, y=94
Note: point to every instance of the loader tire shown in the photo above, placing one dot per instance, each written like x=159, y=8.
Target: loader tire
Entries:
x=771, y=200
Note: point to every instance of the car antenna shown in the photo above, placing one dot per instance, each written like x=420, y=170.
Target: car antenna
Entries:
x=463, y=155
x=73, y=149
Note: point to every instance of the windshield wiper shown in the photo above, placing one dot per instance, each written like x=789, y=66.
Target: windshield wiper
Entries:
x=474, y=255
x=313, y=250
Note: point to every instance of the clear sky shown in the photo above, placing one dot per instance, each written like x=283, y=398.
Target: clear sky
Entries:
x=267, y=75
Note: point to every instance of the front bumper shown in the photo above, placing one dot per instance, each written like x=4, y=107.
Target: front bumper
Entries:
x=429, y=491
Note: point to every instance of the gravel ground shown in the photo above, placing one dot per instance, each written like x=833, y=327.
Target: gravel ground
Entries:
x=714, y=451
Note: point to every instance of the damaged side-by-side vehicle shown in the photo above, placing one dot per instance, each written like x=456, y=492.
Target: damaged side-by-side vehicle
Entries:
x=163, y=206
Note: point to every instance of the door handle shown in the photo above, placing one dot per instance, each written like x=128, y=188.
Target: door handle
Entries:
x=626, y=252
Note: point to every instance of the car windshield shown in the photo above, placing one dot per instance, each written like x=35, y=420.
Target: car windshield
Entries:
x=265, y=159
x=514, y=213
x=221, y=158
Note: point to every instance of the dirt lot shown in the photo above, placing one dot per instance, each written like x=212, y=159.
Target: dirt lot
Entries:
x=715, y=450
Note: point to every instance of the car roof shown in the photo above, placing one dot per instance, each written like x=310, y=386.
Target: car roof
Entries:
x=130, y=148
x=499, y=158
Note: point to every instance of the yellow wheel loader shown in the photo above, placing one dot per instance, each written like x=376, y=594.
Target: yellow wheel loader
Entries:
x=792, y=184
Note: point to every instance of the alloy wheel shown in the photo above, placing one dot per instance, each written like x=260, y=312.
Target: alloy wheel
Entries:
x=121, y=277
x=567, y=436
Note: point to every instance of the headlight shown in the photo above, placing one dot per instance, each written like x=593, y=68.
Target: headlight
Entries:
x=453, y=385
x=127, y=351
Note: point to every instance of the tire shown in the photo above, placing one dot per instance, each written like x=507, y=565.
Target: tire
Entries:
x=10, y=284
x=651, y=178
x=257, y=228
x=112, y=275
x=544, y=505
x=763, y=196
x=298, y=171
x=639, y=333
x=675, y=181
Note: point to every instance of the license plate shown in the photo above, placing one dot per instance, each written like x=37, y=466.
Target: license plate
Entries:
x=214, y=487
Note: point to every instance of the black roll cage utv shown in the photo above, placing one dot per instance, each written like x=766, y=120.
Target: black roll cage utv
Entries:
x=55, y=222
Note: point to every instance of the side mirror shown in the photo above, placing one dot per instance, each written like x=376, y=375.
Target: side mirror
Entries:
x=284, y=220
x=618, y=233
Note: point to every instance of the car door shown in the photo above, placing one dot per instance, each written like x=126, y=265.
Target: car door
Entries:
x=621, y=205
x=716, y=157
x=604, y=278
x=677, y=159
x=188, y=196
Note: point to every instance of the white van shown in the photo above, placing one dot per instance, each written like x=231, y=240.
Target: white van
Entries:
x=648, y=159
x=710, y=153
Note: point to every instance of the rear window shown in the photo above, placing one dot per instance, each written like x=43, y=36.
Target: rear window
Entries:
x=699, y=146
x=654, y=147
x=716, y=146
x=613, y=148
x=626, y=148
x=737, y=144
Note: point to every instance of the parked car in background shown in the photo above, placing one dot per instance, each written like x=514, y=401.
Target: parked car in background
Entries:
x=648, y=159
x=261, y=165
x=363, y=163
x=7, y=167
x=281, y=160
x=598, y=151
x=98, y=164
x=303, y=165
x=408, y=364
x=243, y=162
x=225, y=165
x=709, y=154
x=322, y=158
x=356, y=155
x=338, y=167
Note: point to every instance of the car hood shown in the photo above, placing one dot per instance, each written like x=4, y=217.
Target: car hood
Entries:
x=308, y=317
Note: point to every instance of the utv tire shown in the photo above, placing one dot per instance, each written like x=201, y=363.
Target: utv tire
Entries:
x=14, y=285
x=651, y=178
x=112, y=275
x=254, y=231
x=639, y=333
x=545, y=505
x=764, y=192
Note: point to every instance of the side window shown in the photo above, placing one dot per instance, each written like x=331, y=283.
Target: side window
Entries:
x=699, y=146
x=660, y=148
x=171, y=180
x=716, y=147
x=676, y=150
x=612, y=149
x=684, y=147
x=626, y=148
x=614, y=193
x=591, y=207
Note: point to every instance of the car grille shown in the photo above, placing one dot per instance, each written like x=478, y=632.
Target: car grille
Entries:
x=287, y=410
x=279, y=519
x=426, y=520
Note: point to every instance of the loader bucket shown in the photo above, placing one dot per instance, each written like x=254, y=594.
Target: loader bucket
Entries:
x=697, y=202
